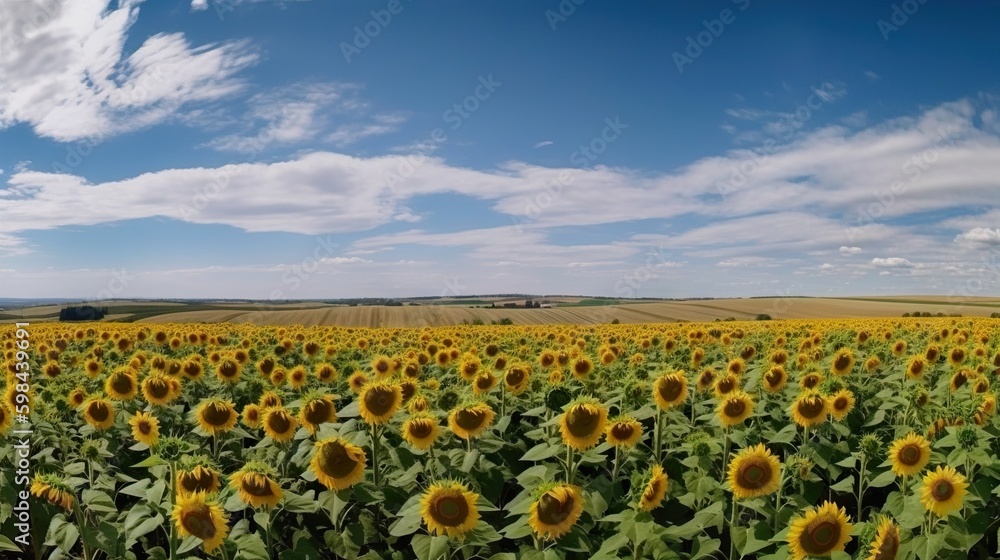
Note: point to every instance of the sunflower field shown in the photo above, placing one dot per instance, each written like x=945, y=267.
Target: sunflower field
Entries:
x=869, y=439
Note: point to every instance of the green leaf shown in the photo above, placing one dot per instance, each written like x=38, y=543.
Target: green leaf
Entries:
x=540, y=452
x=847, y=485
x=296, y=503
x=151, y=461
x=8, y=545
x=251, y=547
x=704, y=547
x=137, y=489
x=882, y=480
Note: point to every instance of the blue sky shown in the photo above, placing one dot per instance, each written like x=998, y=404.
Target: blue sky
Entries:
x=320, y=149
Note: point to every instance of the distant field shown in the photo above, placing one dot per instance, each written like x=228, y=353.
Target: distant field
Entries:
x=565, y=310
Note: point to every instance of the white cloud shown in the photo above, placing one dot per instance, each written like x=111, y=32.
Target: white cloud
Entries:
x=544, y=143
x=892, y=262
x=199, y=5
x=980, y=236
x=67, y=75
x=827, y=267
x=844, y=250
x=872, y=76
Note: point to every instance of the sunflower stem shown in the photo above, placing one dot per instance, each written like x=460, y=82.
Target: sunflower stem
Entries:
x=861, y=487
x=614, y=471
x=732, y=528
x=503, y=400
x=569, y=465
x=375, y=450
x=777, y=502
x=726, y=450
x=657, y=436
x=172, y=474
x=81, y=521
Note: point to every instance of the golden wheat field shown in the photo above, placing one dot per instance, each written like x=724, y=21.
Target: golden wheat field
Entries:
x=852, y=438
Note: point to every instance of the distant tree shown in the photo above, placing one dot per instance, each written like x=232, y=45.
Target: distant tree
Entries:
x=615, y=322
x=906, y=314
x=763, y=317
x=82, y=313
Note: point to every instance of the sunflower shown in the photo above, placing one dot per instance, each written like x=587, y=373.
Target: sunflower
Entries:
x=53, y=490
x=448, y=507
x=810, y=409
x=121, y=385
x=77, y=397
x=623, y=432
x=270, y=399
x=775, y=379
x=841, y=404
x=958, y=379
x=378, y=401
x=337, y=463
x=251, y=416
x=228, y=371
x=943, y=490
x=407, y=388
x=145, y=428
x=735, y=408
x=6, y=420
x=484, y=382
x=99, y=413
x=871, y=363
x=470, y=366
x=468, y=422
x=909, y=455
x=736, y=366
x=198, y=478
x=898, y=348
x=418, y=404
x=555, y=510
x=811, y=380
x=582, y=424
x=199, y=516
x=157, y=389
x=216, y=416
x=726, y=385
x=421, y=430
x=256, y=485
x=298, y=377
x=706, y=380
x=316, y=411
x=279, y=425
x=516, y=379
x=885, y=545
x=956, y=357
x=582, y=367
x=820, y=532
x=670, y=390
x=326, y=373
x=754, y=472
x=655, y=489
x=916, y=367
x=843, y=362
x=382, y=366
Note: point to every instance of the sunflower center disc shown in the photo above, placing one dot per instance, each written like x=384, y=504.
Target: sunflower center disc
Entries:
x=335, y=461
x=734, y=408
x=670, y=389
x=470, y=420
x=621, y=431
x=452, y=511
x=257, y=485
x=943, y=490
x=279, y=423
x=811, y=408
x=199, y=523
x=99, y=411
x=421, y=429
x=553, y=512
x=754, y=476
x=909, y=455
x=582, y=421
x=216, y=414
x=122, y=384
x=821, y=538
x=318, y=412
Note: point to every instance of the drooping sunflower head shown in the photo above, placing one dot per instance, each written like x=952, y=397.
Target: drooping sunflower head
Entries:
x=216, y=416
x=99, y=413
x=200, y=516
x=197, y=476
x=843, y=362
x=654, y=490
x=483, y=382
x=944, y=490
x=77, y=397
x=470, y=366
x=297, y=377
x=269, y=399
x=470, y=421
x=516, y=379
x=885, y=545
x=228, y=370
x=583, y=423
x=775, y=379
x=916, y=367
x=256, y=485
x=811, y=380
x=317, y=410
x=326, y=373
x=909, y=455
x=623, y=432
x=810, y=409
x=735, y=408
x=841, y=404
x=145, y=428
x=872, y=363
x=337, y=463
x=957, y=356
x=121, y=385
x=706, y=380
x=54, y=490
x=736, y=366
x=251, y=416
x=279, y=424
x=754, y=472
x=670, y=390
x=421, y=430
x=418, y=404
x=157, y=389
x=449, y=508
x=898, y=348
x=378, y=401
x=820, y=532
x=958, y=379
x=726, y=385
x=555, y=510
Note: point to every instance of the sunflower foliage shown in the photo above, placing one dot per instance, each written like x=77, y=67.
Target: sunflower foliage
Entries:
x=873, y=439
